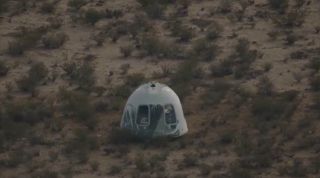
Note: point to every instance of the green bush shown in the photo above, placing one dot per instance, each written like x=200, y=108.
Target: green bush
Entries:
x=80, y=145
x=92, y=16
x=4, y=69
x=36, y=74
x=54, y=40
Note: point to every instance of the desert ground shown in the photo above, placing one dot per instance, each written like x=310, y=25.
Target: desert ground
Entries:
x=247, y=73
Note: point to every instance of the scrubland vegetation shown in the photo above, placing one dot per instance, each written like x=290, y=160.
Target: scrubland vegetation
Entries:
x=246, y=71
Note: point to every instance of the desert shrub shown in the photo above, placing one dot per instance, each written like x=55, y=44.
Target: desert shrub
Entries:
x=92, y=16
x=315, y=164
x=126, y=50
x=266, y=109
x=54, y=40
x=15, y=48
x=25, y=39
x=291, y=38
x=295, y=169
x=224, y=68
x=152, y=46
x=265, y=86
x=237, y=172
x=122, y=136
x=225, y=6
x=77, y=105
x=11, y=131
x=267, y=66
x=204, y=50
x=48, y=7
x=315, y=82
x=182, y=32
x=243, y=57
x=205, y=169
x=270, y=111
x=122, y=91
x=55, y=22
x=114, y=170
x=141, y=163
x=215, y=93
x=293, y=18
x=4, y=69
x=80, y=145
x=135, y=80
x=189, y=160
x=180, y=80
x=15, y=158
x=243, y=144
x=154, y=10
x=94, y=165
x=163, y=73
x=315, y=63
x=280, y=5
x=30, y=112
x=80, y=74
x=113, y=13
x=260, y=157
x=214, y=31
x=243, y=51
x=76, y=4
x=227, y=137
x=36, y=74
x=45, y=174
x=3, y=5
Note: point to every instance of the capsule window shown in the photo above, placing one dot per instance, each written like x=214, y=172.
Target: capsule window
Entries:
x=170, y=115
x=143, y=115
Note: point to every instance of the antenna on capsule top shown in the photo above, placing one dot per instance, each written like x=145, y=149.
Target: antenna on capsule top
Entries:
x=152, y=84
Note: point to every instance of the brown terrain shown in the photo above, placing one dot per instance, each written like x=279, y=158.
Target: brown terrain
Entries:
x=247, y=73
